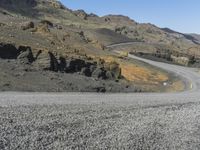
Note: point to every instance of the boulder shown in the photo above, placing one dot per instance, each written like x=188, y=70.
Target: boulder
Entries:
x=2, y=24
x=74, y=65
x=8, y=51
x=100, y=89
x=62, y=64
x=47, y=23
x=26, y=55
x=92, y=68
x=99, y=73
x=113, y=70
x=86, y=71
x=27, y=25
x=42, y=28
x=107, y=19
x=110, y=75
x=46, y=61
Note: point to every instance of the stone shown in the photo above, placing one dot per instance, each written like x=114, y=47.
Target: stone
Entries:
x=46, y=61
x=62, y=64
x=47, y=23
x=99, y=73
x=86, y=71
x=27, y=25
x=26, y=55
x=100, y=89
x=109, y=75
x=92, y=68
x=113, y=70
x=74, y=65
x=8, y=51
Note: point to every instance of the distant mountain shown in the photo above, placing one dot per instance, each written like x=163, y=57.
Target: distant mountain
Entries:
x=196, y=37
x=193, y=37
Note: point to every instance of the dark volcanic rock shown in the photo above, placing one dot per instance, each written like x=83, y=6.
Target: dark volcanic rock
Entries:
x=46, y=61
x=62, y=64
x=74, y=65
x=92, y=68
x=100, y=89
x=86, y=71
x=109, y=75
x=26, y=55
x=8, y=51
x=99, y=73
x=53, y=62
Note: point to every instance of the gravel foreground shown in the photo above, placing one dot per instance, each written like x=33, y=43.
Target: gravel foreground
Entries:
x=99, y=126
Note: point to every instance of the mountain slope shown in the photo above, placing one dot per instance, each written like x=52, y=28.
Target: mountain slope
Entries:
x=48, y=36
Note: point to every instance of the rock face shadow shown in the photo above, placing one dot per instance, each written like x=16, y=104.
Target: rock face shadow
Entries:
x=8, y=51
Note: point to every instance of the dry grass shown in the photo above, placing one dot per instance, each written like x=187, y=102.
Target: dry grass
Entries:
x=136, y=73
x=176, y=86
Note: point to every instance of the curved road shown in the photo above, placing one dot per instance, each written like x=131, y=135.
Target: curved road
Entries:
x=191, y=76
x=104, y=121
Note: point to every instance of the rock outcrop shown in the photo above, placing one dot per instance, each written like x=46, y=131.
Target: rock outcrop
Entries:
x=27, y=25
x=46, y=61
x=81, y=13
x=26, y=55
x=99, y=73
x=8, y=51
x=113, y=70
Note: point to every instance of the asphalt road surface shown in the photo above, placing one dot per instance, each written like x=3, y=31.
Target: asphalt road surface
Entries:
x=104, y=121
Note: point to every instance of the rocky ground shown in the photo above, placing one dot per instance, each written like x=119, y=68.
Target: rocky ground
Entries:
x=14, y=77
x=99, y=127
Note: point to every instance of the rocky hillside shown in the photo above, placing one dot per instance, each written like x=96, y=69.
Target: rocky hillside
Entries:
x=42, y=37
x=196, y=37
